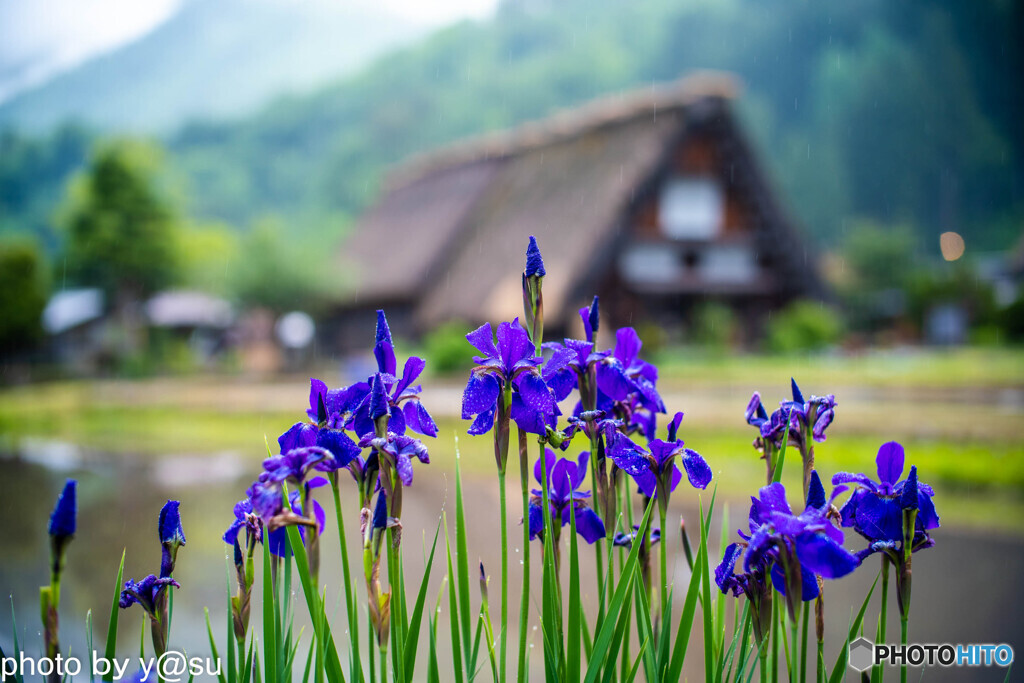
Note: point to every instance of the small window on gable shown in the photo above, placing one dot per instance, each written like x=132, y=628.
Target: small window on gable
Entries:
x=691, y=208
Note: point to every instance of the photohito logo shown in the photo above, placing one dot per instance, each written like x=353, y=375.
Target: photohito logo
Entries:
x=864, y=654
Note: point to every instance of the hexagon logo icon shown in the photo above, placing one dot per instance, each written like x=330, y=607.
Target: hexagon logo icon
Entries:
x=862, y=654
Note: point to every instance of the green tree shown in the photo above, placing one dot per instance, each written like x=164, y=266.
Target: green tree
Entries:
x=121, y=234
x=22, y=296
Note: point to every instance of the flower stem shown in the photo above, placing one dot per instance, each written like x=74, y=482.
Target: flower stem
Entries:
x=803, y=645
x=879, y=671
x=504, y=572
x=524, y=605
x=350, y=606
x=903, y=641
x=663, y=552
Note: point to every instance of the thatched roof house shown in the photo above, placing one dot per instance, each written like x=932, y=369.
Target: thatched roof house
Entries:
x=652, y=199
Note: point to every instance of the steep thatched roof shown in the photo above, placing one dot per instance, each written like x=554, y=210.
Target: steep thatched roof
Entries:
x=448, y=234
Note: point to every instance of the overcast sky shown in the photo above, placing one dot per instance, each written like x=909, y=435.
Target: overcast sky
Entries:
x=39, y=38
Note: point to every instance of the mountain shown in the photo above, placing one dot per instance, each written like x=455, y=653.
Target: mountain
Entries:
x=890, y=113
x=212, y=59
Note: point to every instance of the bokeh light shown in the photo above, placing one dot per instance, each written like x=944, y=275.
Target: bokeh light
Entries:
x=952, y=245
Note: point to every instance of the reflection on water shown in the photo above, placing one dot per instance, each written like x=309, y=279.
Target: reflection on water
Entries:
x=965, y=589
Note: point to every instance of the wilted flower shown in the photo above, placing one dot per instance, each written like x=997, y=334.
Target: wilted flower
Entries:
x=146, y=593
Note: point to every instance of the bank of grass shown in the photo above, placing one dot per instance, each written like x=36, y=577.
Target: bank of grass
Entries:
x=976, y=460
x=975, y=368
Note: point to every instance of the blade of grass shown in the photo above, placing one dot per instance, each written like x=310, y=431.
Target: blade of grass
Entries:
x=213, y=647
x=333, y=664
x=269, y=621
x=572, y=658
x=110, y=647
x=706, y=591
x=412, y=640
x=636, y=665
x=453, y=605
x=607, y=630
x=840, y=668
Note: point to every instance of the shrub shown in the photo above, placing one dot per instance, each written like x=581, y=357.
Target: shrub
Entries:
x=803, y=326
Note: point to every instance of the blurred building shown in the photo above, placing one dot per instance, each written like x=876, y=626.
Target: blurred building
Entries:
x=653, y=199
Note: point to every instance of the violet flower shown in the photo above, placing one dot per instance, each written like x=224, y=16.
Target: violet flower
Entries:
x=172, y=536
x=655, y=471
x=146, y=593
x=875, y=510
x=507, y=384
x=403, y=397
x=792, y=548
x=564, y=479
x=63, y=519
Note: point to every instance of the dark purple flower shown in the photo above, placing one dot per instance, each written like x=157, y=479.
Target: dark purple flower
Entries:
x=295, y=464
x=875, y=510
x=397, y=396
x=510, y=362
x=534, y=262
x=814, y=415
x=336, y=407
x=172, y=536
x=400, y=449
x=792, y=548
x=265, y=499
x=63, y=519
x=564, y=479
x=169, y=524
x=146, y=593
x=245, y=518
x=625, y=373
x=591, y=316
x=656, y=469
x=626, y=540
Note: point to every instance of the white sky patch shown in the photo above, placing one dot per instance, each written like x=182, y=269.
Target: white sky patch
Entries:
x=41, y=38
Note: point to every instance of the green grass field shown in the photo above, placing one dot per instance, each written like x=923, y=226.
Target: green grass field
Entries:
x=958, y=414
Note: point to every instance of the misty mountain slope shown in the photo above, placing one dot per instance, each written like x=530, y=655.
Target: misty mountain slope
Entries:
x=211, y=60
x=870, y=111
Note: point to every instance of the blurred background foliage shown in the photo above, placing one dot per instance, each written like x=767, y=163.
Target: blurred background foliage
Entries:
x=884, y=123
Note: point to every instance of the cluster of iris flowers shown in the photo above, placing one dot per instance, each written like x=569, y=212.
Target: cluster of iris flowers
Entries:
x=603, y=407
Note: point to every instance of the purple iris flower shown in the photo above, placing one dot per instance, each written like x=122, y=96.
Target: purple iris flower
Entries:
x=169, y=524
x=265, y=499
x=172, y=536
x=875, y=510
x=793, y=548
x=510, y=362
x=564, y=479
x=534, y=262
x=815, y=414
x=63, y=519
x=625, y=373
x=295, y=464
x=626, y=540
x=401, y=449
x=245, y=518
x=656, y=469
x=331, y=409
x=403, y=397
x=146, y=593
